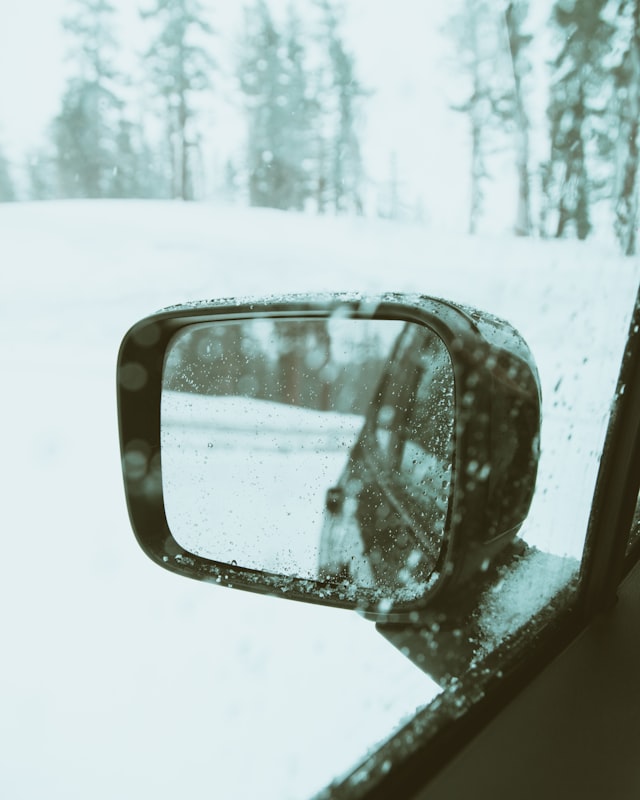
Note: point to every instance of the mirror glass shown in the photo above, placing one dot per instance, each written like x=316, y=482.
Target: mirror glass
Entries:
x=319, y=448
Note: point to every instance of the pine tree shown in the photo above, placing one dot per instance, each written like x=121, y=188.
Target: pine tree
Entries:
x=180, y=67
x=342, y=174
x=627, y=127
x=139, y=170
x=300, y=132
x=576, y=109
x=7, y=189
x=301, y=121
x=85, y=129
x=280, y=111
x=42, y=174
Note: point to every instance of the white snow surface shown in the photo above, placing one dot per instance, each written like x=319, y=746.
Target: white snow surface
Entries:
x=280, y=459
x=120, y=679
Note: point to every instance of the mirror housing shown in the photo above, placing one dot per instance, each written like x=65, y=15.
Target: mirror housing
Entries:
x=494, y=447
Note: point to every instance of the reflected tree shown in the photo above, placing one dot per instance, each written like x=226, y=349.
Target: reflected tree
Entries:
x=303, y=352
x=295, y=362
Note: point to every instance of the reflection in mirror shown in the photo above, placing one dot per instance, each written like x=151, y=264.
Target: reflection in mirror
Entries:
x=315, y=448
x=398, y=479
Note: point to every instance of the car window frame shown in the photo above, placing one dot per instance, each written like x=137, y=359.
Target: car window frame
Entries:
x=461, y=712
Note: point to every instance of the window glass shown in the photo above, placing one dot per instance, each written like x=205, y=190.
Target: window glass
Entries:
x=336, y=145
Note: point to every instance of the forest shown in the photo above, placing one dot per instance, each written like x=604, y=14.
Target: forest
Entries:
x=303, y=104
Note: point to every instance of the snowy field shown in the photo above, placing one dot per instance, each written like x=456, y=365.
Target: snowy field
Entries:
x=122, y=680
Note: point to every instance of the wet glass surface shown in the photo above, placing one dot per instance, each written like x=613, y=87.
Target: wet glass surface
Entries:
x=206, y=678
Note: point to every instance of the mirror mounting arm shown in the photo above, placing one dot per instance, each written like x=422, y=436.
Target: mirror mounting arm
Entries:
x=436, y=406
x=443, y=642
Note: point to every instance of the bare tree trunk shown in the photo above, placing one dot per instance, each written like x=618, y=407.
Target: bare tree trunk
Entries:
x=477, y=174
x=183, y=145
x=574, y=191
x=321, y=182
x=627, y=203
x=523, y=214
x=564, y=212
x=172, y=135
x=477, y=160
x=394, y=194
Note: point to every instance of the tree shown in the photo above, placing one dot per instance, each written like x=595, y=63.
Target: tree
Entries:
x=342, y=170
x=301, y=130
x=7, y=189
x=576, y=109
x=261, y=74
x=139, y=171
x=302, y=380
x=302, y=120
x=480, y=55
x=84, y=132
x=42, y=174
x=180, y=68
x=281, y=112
x=627, y=125
x=515, y=17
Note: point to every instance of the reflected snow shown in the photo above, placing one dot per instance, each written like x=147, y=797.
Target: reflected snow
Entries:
x=246, y=479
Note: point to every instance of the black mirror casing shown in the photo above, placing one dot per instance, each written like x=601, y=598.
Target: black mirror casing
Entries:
x=495, y=452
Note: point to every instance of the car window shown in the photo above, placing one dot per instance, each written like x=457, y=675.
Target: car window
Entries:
x=320, y=146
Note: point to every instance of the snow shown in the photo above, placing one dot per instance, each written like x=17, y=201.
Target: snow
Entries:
x=522, y=591
x=283, y=459
x=121, y=679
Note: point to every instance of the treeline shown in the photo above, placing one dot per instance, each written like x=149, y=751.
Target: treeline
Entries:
x=299, y=90
x=593, y=113
x=295, y=362
x=302, y=103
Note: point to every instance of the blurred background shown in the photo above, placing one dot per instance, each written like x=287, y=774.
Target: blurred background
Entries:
x=331, y=107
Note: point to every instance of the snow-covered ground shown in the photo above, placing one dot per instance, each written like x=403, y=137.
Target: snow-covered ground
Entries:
x=122, y=680
x=245, y=480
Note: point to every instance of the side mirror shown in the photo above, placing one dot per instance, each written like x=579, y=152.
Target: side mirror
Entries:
x=364, y=453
